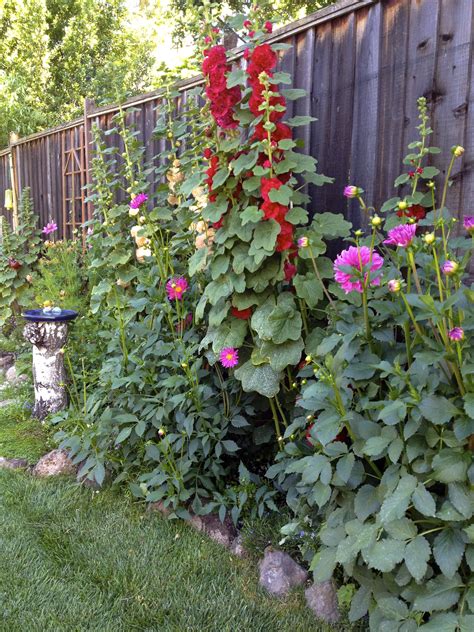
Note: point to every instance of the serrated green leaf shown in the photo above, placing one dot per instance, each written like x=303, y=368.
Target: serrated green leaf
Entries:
x=440, y=593
x=450, y=466
x=385, y=554
x=424, y=501
x=393, y=413
x=323, y=564
x=438, y=410
x=417, y=554
x=448, y=550
x=396, y=503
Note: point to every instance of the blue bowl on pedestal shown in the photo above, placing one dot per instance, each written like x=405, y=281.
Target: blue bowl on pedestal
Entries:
x=40, y=316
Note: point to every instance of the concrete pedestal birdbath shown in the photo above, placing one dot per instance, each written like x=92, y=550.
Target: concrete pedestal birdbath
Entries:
x=47, y=330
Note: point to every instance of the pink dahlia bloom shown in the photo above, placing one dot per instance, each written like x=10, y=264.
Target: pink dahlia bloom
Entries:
x=456, y=334
x=51, y=227
x=229, y=357
x=176, y=287
x=401, y=236
x=348, y=268
x=138, y=200
x=469, y=224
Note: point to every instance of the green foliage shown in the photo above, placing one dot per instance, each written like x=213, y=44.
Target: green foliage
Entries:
x=19, y=252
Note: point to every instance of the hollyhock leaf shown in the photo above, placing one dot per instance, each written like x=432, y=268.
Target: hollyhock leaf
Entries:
x=402, y=179
x=244, y=162
x=218, y=313
x=286, y=144
x=390, y=204
x=219, y=178
x=215, y=210
x=417, y=555
x=293, y=93
x=197, y=261
x=237, y=77
x=220, y=288
x=297, y=215
x=251, y=214
x=285, y=165
x=331, y=225
x=297, y=121
x=191, y=183
x=264, y=236
x=303, y=162
x=264, y=275
x=251, y=184
x=259, y=321
x=450, y=466
x=260, y=379
x=281, y=77
x=219, y=265
x=308, y=288
x=445, y=622
x=438, y=410
x=285, y=321
x=281, y=195
x=229, y=334
x=283, y=355
x=429, y=173
x=241, y=260
x=448, y=551
x=385, y=554
x=318, y=179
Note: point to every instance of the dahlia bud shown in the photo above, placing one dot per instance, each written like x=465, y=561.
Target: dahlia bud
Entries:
x=376, y=221
x=450, y=267
x=429, y=238
x=161, y=432
x=457, y=151
x=394, y=285
x=456, y=334
x=430, y=184
x=308, y=358
x=303, y=242
x=184, y=365
x=403, y=205
x=352, y=191
x=358, y=233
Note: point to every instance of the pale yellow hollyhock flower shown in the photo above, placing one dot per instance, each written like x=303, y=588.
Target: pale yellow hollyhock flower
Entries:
x=133, y=212
x=122, y=283
x=134, y=231
x=142, y=241
x=141, y=253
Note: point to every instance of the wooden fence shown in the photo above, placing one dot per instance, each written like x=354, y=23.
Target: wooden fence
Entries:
x=363, y=64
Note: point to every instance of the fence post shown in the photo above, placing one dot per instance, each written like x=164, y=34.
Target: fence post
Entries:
x=13, y=178
x=88, y=109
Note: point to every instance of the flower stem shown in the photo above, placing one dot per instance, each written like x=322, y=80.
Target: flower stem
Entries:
x=318, y=276
x=277, y=423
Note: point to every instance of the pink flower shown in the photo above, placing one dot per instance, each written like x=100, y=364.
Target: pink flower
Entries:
x=449, y=267
x=176, y=287
x=351, y=191
x=51, y=227
x=469, y=224
x=290, y=270
x=229, y=357
x=394, y=285
x=303, y=242
x=401, y=235
x=456, y=334
x=138, y=200
x=356, y=259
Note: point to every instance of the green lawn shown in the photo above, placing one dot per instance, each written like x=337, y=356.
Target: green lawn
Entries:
x=74, y=560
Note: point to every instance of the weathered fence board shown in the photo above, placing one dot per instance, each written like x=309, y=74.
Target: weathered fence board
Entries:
x=363, y=63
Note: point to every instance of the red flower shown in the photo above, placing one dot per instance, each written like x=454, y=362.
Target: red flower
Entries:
x=218, y=224
x=207, y=153
x=274, y=210
x=222, y=99
x=285, y=238
x=290, y=270
x=14, y=264
x=212, y=170
x=415, y=212
x=243, y=314
x=263, y=59
x=247, y=24
x=268, y=26
x=267, y=185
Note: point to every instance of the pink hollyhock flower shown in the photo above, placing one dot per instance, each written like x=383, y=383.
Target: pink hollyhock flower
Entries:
x=401, y=235
x=469, y=224
x=138, y=200
x=351, y=191
x=356, y=258
x=176, y=287
x=289, y=270
x=229, y=357
x=51, y=227
x=456, y=334
x=449, y=267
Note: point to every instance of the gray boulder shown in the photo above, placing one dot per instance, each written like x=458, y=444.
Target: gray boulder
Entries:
x=279, y=573
x=322, y=599
x=13, y=464
x=54, y=463
x=222, y=532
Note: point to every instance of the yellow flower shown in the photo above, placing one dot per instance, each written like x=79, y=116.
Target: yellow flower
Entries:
x=429, y=238
x=458, y=151
x=141, y=253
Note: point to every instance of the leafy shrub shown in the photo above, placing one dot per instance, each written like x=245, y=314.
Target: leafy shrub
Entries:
x=382, y=465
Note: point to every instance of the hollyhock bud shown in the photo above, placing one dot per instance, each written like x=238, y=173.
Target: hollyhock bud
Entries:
x=429, y=238
x=450, y=267
x=268, y=26
x=457, y=151
x=394, y=285
x=247, y=24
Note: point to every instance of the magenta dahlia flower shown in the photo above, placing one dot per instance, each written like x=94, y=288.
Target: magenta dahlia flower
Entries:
x=138, y=200
x=469, y=224
x=456, y=334
x=51, y=227
x=176, y=287
x=401, y=236
x=348, y=268
x=229, y=357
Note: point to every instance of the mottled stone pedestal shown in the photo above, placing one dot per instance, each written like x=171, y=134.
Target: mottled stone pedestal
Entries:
x=48, y=340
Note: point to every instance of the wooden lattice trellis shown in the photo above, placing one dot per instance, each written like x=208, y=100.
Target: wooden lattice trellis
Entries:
x=74, y=212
